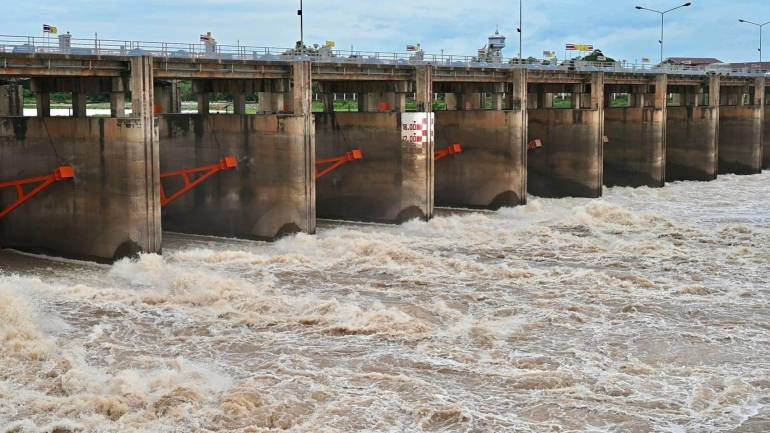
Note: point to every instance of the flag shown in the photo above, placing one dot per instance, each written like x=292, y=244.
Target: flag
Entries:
x=580, y=47
x=205, y=38
x=331, y=44
x=50, y=29
x=411, y=47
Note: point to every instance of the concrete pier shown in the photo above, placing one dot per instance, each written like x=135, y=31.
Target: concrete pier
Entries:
x=111, y=209
x=270, y=194
x=741, y=117
x=692, y=131
x=570, y=161
x=491, y=172
x=635, y=152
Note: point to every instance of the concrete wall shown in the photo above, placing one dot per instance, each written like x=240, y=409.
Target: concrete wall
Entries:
x=491, y=172
x=570, y=161
x=691, y=143
x=740, y=139
x=766, y=139
x=110, y=210
x=635, y=154
x=11, y=99
x=269, y=195
x=392, y=184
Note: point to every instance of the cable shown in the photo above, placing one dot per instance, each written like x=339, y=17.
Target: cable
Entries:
x=50, y=142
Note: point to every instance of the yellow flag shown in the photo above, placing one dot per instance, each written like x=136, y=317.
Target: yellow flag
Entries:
x=54, y=30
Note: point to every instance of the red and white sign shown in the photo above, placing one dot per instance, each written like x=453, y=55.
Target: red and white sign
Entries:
x=417, y=128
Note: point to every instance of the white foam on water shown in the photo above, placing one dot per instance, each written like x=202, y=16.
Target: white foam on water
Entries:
x=643, y=311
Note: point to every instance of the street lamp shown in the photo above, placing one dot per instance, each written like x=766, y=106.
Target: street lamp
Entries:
x=760, y=34
x=519, y=29
x=301, y=27
x=662, y=13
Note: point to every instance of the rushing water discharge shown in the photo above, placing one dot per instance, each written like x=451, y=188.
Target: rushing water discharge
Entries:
x=644, y=311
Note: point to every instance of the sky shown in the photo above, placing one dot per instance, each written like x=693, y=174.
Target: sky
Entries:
x=708, y=28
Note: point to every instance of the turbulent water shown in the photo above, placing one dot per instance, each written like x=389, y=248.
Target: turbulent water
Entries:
x=644, y=311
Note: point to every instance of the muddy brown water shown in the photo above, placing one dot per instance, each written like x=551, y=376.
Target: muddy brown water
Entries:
x=645, y=311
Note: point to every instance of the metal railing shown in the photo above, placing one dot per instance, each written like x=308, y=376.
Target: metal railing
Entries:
x=170, y=50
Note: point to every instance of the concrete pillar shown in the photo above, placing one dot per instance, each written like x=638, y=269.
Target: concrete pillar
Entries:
x=424, y=88
x=117, y=104
x=576, y=99
x=302, y=107
x=11, y=100
x=43, y=102
x=265, y=102
x=470, y=100
x=766, y=131
x=239, y=103
x=714, y=90
x=204, y=106
x=118, y=98
x=367, y=102
x=396, y=101
x=79, y=101
x=142, y=101
x=451, y=101
x=278, y=102
x=638, y=100
x=498, y=101
x=168, y=97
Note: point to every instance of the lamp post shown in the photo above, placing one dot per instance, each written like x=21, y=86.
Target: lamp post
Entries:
x=301, y=27
x=519, y=29
x=662, y=13
x=760, y=34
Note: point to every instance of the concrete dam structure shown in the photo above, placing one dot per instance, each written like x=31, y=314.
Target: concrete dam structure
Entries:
x=550, y=131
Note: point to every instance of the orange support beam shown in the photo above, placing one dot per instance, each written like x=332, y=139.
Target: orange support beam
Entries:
x=229, y=163
x=61, y=173
x=454, y=149
x=354, y=155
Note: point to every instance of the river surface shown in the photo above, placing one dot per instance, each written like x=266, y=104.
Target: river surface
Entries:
x=645, y=311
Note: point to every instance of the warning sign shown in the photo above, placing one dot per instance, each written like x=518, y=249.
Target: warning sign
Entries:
x=417, y=128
